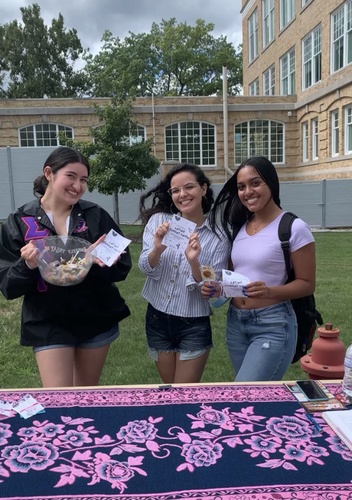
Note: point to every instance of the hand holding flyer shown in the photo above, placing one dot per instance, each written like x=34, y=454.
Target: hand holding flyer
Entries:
x=180, y=230
x=233, y=283
x=110, y=249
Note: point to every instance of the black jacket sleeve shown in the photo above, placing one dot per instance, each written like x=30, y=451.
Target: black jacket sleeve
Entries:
x=16, y=279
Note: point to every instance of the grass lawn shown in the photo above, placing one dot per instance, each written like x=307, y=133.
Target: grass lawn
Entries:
x=128, y=362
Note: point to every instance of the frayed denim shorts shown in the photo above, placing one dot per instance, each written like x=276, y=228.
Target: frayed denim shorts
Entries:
x=191, y=337
x=100, y=340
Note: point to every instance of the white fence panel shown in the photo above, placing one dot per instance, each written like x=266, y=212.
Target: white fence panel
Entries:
x=322, y=204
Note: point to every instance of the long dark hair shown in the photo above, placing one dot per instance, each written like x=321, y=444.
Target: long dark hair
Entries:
x=58, y=159
x=228, y=212
x=162, y=201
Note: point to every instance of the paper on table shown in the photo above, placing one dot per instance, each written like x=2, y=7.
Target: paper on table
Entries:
x=180, y=230
x=109, y=249
x=27, y=406
x=233, y=283
x=6, y=408
x=340, y=422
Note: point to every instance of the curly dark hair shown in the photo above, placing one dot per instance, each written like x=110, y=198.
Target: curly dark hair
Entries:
x=161, y=200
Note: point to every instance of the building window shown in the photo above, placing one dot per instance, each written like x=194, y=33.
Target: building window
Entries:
x=341, y=32
x=259, y=137
x=254, y=87
x=269, y=81
x=315, y=139
x=137, y=135
x=190, y=142
x=253, y=36
x=287, y=12
x=335, y=133
x=348, y=130
x=268, y=21
x=43, y=135
x=305, y=138
x=311, y=49
x=305, y=2
x=287, y=73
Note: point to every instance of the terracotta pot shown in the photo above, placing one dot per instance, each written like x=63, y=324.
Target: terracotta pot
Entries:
x=326, y=358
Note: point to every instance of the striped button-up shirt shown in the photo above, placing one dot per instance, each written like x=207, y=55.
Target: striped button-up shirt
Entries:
x=170, y=286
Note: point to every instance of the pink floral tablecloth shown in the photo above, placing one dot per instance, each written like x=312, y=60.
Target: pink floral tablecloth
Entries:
x=203, y=442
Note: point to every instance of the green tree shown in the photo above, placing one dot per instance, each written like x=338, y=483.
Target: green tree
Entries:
x=119, y=162
x=173, y=59
x=37, y=60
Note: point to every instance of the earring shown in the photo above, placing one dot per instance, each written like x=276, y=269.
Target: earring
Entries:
x=173, y=213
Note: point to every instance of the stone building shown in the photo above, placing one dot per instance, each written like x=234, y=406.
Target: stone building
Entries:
x=304, y=48
x=296, y=108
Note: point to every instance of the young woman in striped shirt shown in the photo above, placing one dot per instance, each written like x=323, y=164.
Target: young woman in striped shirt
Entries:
x=177, y=320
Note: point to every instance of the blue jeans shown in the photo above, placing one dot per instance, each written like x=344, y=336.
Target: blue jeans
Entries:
x=261, y=342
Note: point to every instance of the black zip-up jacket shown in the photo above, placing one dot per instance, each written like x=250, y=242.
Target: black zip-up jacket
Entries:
x=53, y=314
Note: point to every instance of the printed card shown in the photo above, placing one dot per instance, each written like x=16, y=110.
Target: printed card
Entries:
x=27, y=406
x=110, y=249
x=6, y=408
x=233, y=283
x=180, y=230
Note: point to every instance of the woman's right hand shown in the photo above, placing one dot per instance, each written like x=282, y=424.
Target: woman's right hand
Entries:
x=28, y=254
x=159, y=235
x=210, y=289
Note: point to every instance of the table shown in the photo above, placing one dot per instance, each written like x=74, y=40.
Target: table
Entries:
x=219, y=442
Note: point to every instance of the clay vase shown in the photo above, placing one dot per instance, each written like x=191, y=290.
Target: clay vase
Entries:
x=326, y=358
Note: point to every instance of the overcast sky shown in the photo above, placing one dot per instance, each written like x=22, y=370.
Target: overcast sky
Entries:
x=92, y=17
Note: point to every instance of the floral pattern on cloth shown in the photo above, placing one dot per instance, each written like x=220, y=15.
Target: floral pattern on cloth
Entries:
x=77, y=455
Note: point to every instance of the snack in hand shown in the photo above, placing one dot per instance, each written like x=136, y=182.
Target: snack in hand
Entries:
x=208, y=273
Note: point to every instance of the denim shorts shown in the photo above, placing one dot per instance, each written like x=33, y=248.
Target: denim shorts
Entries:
x=191, y=337
x=100, y=340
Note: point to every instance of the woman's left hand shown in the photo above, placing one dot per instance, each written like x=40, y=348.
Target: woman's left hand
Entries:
x=258, y=290
x=98, y=261
x=210, y=289
x=193, y=248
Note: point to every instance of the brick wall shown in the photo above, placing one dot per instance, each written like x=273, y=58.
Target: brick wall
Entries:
x=163, y=111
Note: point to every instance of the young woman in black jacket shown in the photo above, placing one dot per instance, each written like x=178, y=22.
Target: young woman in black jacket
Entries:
x=70, y=328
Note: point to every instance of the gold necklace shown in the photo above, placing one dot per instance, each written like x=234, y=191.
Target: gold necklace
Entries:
x=255, y=229
x=261, y=225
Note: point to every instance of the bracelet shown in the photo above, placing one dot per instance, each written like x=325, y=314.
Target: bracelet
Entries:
x=30, y=267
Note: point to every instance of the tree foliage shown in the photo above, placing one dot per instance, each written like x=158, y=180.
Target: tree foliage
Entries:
x=38, y=60
x=119, y=163
x=173, y=59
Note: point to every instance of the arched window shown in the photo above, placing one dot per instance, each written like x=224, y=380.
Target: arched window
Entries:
x=190, y=142
x=43, y=134
x=259, y=138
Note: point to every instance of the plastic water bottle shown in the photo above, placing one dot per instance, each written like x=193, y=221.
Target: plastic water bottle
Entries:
x=347, y=378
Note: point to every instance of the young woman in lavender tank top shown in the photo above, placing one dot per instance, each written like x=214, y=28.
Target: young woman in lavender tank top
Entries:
x=261, y=331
